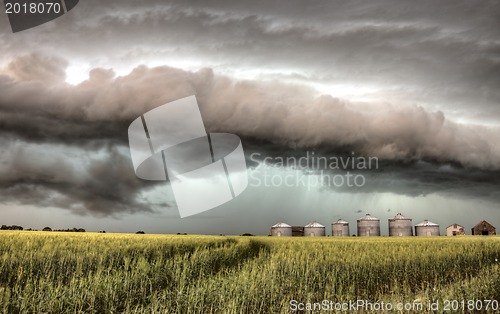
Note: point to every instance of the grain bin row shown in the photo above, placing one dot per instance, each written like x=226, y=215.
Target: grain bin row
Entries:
x=369, y=226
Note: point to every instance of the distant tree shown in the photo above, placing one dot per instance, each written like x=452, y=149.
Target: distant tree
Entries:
x=140, y=232
x=47, y=229
x=247, y=235
x=13, y=227
x=68, y=230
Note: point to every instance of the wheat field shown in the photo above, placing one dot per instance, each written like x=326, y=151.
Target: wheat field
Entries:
x=51, y=272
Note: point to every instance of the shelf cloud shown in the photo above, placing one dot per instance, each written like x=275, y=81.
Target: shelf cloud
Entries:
x=40, y=112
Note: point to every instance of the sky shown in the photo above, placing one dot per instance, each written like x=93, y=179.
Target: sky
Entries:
x=414, y=85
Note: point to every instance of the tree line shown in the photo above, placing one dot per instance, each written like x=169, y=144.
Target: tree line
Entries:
x=14, y=227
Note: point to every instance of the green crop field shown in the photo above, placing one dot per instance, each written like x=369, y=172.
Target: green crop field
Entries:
x=49, y=272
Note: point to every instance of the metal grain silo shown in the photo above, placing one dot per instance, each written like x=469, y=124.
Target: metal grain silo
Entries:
x=281, y=229
x=427, y=228
x=400, y=226
x=314, y=229
x=368, y=226
x=340, y=228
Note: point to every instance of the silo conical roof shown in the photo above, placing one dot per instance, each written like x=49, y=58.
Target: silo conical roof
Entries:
x=341, y=222
x=427, y=223
x=368, y=217
x=314, y=225
x=281, y=225
x=400, y=216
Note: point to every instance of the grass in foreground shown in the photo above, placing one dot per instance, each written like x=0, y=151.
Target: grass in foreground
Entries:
x=44, y=272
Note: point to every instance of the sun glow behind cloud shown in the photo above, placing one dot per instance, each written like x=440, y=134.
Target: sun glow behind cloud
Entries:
x=77, y=73
x=351, y=92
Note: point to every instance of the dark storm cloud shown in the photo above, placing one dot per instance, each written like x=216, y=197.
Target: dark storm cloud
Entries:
x=403, y=177
x=281, y=113
x=38, y=115
x=55, y=176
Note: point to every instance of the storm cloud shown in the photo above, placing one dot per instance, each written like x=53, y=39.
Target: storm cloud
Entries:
x=93, y=118
x=104, y=105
